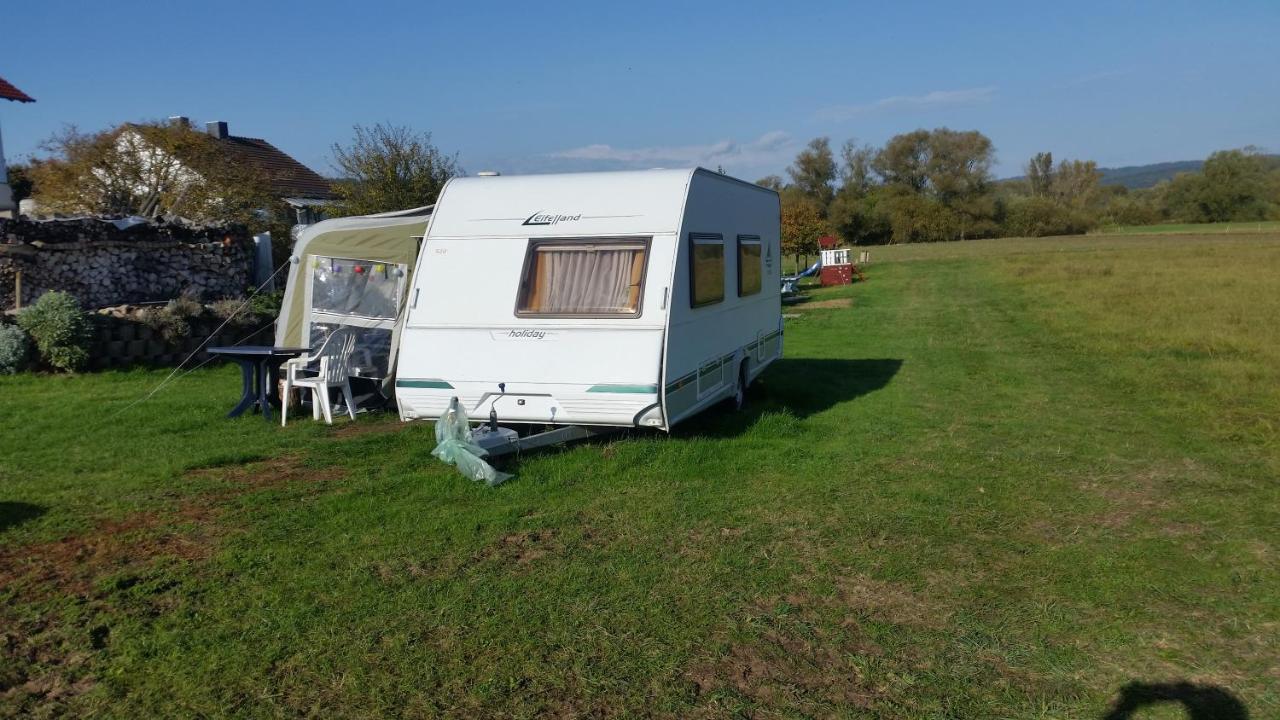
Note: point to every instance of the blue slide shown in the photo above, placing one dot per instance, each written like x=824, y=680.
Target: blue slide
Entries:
x=790, y=283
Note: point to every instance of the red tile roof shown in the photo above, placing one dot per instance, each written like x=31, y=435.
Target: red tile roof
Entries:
x=288, y=177
x=9, y=92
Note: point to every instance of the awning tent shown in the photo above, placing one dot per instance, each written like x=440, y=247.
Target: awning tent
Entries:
x=353, y=272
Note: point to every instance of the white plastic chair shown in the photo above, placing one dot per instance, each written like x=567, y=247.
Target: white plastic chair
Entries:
x=334, y=371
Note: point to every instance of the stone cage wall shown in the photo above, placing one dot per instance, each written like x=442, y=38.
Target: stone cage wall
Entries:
x=103, y=265
x=122, y=337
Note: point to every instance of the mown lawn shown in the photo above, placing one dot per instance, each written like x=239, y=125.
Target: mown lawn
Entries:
x=1218, y=228
x=1000, y=479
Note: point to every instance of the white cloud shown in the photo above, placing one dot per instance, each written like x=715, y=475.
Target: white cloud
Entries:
x=765, y=149
x=928, y=101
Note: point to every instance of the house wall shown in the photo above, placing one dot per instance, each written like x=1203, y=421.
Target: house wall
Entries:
x=104, y=266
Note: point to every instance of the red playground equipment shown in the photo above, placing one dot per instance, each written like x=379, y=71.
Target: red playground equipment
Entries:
x=837, y=269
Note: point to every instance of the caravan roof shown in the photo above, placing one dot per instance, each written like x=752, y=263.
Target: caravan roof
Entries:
x=639, y=202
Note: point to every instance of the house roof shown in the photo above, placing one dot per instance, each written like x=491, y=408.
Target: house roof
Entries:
x=288, y=177
x=9, y=92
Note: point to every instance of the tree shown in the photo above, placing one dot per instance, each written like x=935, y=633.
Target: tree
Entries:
x=1039, y=216
x=802, y=223
x=958, y=164
x=773, y=182
x=151, y=170
x=389, y=168
x=20, y=181
x=857, y=175
x=904, y=161
x=940, y=183
x=814, y=172
x=1076, y=183
x=1040, y=173
x=1236, y=185
x=862, y=218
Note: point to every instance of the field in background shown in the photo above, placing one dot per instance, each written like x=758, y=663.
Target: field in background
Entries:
x=1002, y=478
x=1224, y=228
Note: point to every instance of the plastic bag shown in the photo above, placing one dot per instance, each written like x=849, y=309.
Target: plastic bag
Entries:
x=454, y=446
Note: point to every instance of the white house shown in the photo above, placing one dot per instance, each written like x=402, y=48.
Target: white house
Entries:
x=7, y=205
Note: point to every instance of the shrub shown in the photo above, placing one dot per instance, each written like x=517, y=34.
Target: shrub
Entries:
x=61, y=330
x=15, y=349
x=266, y=304
x=1041, y=217
x=171, y=320
x=231, y=309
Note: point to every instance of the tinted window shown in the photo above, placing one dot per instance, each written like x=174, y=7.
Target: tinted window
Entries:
x=706, y=263
x=749, y=265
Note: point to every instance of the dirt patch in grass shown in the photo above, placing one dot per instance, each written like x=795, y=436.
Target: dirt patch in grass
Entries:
x=358, y=429
x=275, y=472
x=824, y=304
x=1144, y=495
x=790, y=659
x=66, y=594
x=891, y=602
x=524, y=547
x=71, y=565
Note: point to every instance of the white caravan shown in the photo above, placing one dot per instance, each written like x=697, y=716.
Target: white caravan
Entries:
x=616, y=299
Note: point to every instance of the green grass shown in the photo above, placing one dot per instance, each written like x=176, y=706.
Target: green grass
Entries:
x=1011, y=478
x=1221, y=228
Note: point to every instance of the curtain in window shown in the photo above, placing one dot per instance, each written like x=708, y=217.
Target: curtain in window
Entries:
x=584, y=281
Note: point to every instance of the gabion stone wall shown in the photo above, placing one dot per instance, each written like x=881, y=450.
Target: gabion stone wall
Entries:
x=122, y=337
x=102, y=265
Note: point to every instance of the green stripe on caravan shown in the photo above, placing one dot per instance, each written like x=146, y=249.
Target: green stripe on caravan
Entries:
x=681, y=381
x=420, y=383
x=636, y=389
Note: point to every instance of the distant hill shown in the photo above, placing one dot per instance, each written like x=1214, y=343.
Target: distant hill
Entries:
x=1145, y=176
x=1136, y=177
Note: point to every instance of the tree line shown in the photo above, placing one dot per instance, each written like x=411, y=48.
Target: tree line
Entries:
x=920, y=186
x=936, y=185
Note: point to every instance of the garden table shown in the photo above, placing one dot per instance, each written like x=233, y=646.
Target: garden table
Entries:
x=259, y=367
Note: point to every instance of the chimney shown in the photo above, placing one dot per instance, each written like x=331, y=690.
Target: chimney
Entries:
x=180, y=120
x=217, y=129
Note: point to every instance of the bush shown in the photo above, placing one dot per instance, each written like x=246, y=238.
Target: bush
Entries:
x=15, y=349
x=1042, y=217
x=171, y=320
x=61, y=330
x=229, y=309
x=266, y=304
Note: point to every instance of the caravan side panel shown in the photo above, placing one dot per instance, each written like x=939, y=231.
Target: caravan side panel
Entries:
x=710, y=343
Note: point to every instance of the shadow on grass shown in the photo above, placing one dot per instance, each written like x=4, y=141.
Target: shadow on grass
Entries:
x=801, y=386
x=1201, y=702
x=16, y=513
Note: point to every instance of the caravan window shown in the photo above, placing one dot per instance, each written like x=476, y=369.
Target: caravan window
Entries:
x=749, y=271
x=706, y=269
x=342, y=286
x=363, y=295
x=583, y=278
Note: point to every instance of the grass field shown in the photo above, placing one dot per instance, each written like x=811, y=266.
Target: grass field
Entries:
x=1223, y=228
x=1002, y=478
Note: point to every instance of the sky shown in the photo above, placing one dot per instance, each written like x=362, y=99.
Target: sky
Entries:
x=551, y=87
